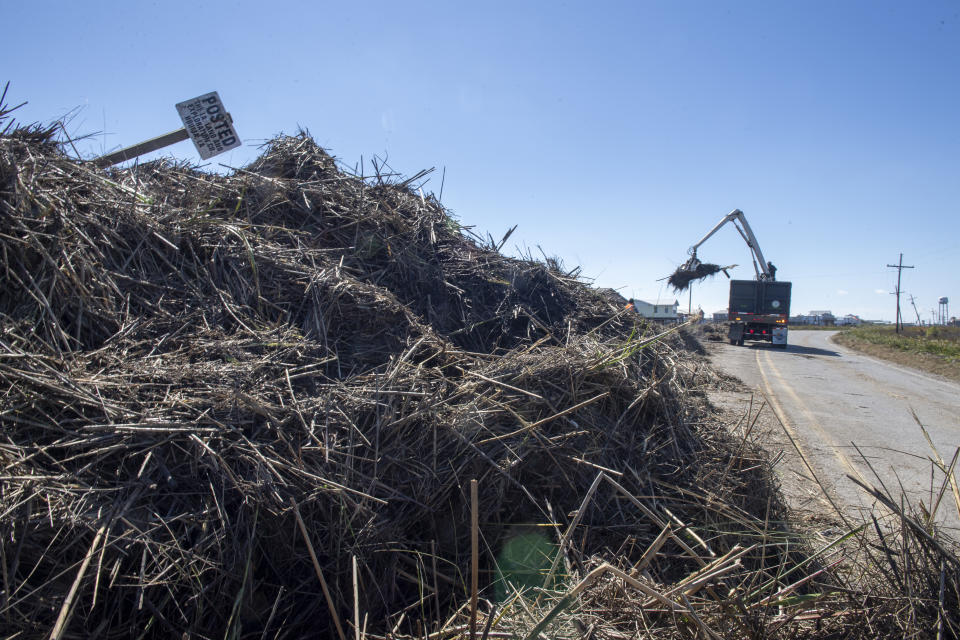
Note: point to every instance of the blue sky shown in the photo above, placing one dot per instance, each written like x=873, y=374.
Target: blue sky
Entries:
x=614, y=134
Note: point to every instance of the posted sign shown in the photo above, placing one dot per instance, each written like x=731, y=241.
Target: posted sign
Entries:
x=209, y=125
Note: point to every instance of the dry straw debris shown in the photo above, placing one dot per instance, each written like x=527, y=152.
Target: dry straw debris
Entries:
x=685, y=274
x=251, y=406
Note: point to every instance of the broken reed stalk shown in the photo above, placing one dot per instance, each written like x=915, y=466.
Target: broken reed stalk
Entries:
x=951, y=477
x=474, y=556
x=356, y=599
x=66, y=610
x=331, y=607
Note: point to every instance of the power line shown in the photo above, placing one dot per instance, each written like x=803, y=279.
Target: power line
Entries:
x=899, y=267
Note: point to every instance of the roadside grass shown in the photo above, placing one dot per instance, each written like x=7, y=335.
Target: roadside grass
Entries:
x=934, y=349
x=936, y=340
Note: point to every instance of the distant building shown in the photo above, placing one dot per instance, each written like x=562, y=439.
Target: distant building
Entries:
x=657, y=311
x=721, y=316
x=821, y=318
x=849, y=320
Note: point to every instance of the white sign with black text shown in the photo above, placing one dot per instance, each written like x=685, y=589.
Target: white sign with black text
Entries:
x=209, y=125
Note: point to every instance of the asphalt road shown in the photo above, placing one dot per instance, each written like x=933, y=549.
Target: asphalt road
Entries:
x=851, y=414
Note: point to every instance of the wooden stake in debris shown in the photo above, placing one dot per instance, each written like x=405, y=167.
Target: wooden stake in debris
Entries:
x=316, y=567
x=474, y=559
x=356, y=601
x=153, y=144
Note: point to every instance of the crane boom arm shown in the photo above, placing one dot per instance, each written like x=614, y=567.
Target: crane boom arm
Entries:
x=762, y=267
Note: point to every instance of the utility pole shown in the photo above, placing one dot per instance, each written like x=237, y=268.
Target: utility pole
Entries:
x=899, y=267
x=915, y=310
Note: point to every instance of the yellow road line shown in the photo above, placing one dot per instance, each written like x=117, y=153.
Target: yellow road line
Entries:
x=792, y=435
x=821, y=432
x=777, y=409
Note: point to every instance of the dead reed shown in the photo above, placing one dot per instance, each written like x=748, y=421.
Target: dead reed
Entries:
x=252, y=406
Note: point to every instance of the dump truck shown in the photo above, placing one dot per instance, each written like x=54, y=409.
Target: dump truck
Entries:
x=758, y=309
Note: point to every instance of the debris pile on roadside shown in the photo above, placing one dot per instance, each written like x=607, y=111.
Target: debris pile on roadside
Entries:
x=252, y=405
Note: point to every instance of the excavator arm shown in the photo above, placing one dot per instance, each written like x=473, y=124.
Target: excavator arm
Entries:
x=764, y=269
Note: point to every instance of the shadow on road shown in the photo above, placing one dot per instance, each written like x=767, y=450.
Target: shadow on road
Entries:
x=798, y=350
x=811, y=351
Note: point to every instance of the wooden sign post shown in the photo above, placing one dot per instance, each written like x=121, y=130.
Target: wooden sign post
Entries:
x=205, y=121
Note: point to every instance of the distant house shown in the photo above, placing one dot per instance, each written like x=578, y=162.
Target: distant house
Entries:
x=824, y=318
x=656, y=311
x=721, y=316
x=821, y=318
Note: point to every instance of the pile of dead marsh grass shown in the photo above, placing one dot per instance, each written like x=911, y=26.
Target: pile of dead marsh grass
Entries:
x=681, y=278
x=893, y=574
x=186, y=356
x=219, y=391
